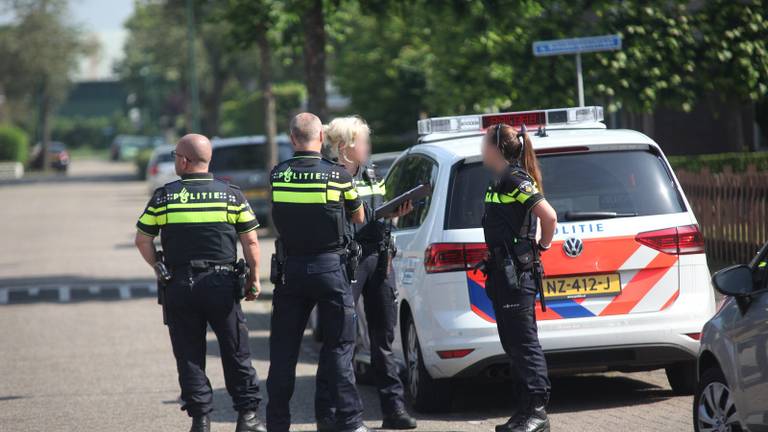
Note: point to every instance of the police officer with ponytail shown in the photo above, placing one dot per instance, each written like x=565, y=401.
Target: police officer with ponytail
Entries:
x=514, y=208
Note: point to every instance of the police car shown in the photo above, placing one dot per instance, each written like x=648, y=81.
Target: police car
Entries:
x=627, y=286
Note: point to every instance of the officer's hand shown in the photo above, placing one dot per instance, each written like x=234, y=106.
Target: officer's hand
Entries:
x=254, y=292
x=404, y=209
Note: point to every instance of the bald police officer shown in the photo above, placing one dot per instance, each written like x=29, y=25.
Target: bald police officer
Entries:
x=312, y=198
x=199, y=220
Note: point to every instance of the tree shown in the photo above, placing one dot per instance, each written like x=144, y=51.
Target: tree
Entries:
x=157, y=70
x=313, y=21
x=43, y=49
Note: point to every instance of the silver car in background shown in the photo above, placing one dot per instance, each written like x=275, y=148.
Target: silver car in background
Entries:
x=732, y=394
x=242, y=162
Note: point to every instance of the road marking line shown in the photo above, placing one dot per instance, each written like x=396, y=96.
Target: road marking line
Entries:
x=64, y=294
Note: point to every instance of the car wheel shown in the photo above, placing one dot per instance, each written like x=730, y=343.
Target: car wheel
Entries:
x=713, y=407
x=682, y=378
x=427, y=394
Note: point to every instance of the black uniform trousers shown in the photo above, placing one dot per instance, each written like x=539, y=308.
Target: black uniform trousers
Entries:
x=193, y=301
x=381, y=314
x=313, y=280
x=516, y=321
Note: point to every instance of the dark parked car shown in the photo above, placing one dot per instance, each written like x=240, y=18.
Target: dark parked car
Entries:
x=58, y=156
x=241, y=161
x=732, y=394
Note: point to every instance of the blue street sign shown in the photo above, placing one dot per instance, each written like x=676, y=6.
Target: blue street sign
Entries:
x=577, y=45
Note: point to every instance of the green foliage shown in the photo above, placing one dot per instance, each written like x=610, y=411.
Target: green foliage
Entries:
x=243, y=114
x=717, y=162
x=91, y=132
x=141, y=161
x=14, y=144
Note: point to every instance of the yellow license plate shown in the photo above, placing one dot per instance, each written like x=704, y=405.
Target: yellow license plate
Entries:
x=582, y=286
x=255, y=193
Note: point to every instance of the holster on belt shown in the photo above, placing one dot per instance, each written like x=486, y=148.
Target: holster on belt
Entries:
x=353, y=253
x=243, y=272
x=277, y=264
x=163, y=278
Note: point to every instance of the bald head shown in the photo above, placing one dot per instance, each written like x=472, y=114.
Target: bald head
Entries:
x=196, y=151
x=307, y=132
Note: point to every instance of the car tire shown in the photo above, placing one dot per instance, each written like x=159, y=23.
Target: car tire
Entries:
x=428, y=395
x=682, y=378
x=711, y=411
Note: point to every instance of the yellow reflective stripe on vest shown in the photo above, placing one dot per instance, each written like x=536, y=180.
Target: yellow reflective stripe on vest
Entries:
x=376, y=189
x=339, y=185
x=196, y=205
x=334, y=195
x=299, y=185
x=148, y=219
x=350, y=195
x=196, y=217
x=299, y=197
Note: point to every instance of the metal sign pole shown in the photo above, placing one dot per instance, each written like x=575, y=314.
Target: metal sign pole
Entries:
x=579, y=80
x=577, y=46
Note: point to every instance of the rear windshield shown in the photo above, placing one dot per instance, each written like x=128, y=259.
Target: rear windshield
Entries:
x=238, y=157
x=164, y=157
x=625, y=182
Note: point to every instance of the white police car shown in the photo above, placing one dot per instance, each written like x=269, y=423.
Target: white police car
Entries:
x=627, y=284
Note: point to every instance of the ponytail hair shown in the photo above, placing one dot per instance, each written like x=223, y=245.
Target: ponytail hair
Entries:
x=516, y=148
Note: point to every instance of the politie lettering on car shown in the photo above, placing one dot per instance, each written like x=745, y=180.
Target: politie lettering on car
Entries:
x=626, y=281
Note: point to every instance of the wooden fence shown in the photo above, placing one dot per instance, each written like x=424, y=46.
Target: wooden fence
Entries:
x=731, y=209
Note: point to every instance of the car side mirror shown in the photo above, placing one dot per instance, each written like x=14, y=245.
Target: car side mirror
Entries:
x=736, y=281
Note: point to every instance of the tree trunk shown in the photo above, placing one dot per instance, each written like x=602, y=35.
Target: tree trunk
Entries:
x=268, y=99
x=314, y=58
x=45, y=130
x=212, y=108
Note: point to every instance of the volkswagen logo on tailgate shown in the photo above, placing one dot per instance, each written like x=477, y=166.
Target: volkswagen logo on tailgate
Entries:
x=573, y=247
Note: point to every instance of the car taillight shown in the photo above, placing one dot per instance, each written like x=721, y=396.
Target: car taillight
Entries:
x=446, y=257
x=454, y=354
x=680, y=240
x=153, y=170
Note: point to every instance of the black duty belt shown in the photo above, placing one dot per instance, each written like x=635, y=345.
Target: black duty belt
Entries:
x=205, y=265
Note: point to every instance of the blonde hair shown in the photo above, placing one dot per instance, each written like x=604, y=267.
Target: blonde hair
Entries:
x=342, y=132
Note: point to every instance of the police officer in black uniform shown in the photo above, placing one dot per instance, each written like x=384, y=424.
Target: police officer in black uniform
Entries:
x=348, y=139
x=514, y=205
x=199, y=220
x=312, y=199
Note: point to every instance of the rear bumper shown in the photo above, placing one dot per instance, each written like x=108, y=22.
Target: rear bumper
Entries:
x=621, y=343
x=618, y=358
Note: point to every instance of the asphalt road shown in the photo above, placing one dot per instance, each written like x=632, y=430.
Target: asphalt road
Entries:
x=83, y=348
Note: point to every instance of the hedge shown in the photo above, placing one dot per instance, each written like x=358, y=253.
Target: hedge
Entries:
x=14, y=144
x=717, y=162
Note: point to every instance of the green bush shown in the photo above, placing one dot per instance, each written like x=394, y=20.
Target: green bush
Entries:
x=717, y=162
x=142, y=160
x=14, y=144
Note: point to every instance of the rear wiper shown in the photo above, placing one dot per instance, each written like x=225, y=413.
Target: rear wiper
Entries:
x=580, y=216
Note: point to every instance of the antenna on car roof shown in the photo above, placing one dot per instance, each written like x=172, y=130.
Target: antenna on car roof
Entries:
x=541, y=132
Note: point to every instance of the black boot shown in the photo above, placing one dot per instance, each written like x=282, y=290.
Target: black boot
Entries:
x=326, y=424
x=399, y=420
x=521, y=409
x=535, y=418
x=201, y=424
x=248, y=421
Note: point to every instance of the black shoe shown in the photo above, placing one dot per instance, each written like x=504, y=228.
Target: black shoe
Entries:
x=399, y=420
x=201, y=424
x=248, y=421
x=326, y=424
x=534, y=419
